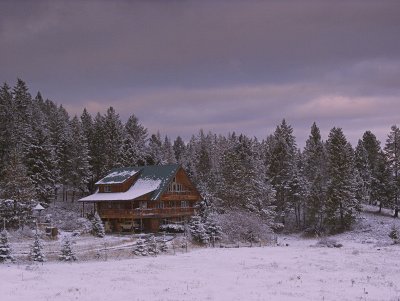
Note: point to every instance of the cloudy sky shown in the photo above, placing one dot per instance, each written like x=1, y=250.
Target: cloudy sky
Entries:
x=217, y=65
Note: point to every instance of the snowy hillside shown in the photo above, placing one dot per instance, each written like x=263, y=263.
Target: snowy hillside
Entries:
x=365, y=268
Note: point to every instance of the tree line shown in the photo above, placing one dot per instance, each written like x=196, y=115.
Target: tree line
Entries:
x=44, y=151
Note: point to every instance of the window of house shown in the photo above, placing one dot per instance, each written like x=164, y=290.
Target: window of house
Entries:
x=143, y=204
x=107, y=188
x=175, y=187
x=184, y=204
x=165, y=221
x=160, y=205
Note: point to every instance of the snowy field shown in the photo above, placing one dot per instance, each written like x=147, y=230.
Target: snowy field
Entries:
x=367, y=267
x=297, y=272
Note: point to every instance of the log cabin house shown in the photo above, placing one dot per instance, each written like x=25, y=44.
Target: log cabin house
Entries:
x=144, y=198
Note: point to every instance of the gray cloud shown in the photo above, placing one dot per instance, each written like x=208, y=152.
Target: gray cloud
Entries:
x=219, y=65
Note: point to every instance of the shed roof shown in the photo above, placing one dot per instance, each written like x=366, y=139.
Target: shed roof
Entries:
x=119, y=175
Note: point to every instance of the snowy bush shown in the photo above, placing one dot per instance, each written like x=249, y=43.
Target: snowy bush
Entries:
x=67, y=254
x=329, y=243
x=5, y=249
x=23, y=233
x=73, y=224
x=173, y=228
x=36, y=253
x=312, y=232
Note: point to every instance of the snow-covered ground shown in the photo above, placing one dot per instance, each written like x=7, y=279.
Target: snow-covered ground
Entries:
x=296, y=272
x=367, y=267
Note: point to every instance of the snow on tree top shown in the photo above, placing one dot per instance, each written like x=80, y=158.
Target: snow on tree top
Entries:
x=119, y=175
x=141, y=187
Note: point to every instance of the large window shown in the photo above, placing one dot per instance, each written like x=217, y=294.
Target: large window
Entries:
x=175, y=187
x=184, y=204
x=107, y=188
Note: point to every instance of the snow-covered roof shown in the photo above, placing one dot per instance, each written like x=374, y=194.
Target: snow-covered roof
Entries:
x=150, y=179
x=140, y=188
x=119, y=175
x=38, y=207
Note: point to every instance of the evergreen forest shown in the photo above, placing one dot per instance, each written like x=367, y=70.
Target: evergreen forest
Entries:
x=45, y=152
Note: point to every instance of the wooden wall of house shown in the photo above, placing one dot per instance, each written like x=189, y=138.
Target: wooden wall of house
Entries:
x=190, y=193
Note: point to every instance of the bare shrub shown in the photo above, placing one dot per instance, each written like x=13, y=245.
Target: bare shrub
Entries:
x=244, y=226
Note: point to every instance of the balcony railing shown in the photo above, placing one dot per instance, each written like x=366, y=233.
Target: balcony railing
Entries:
x=145, y=212
x=186, y=192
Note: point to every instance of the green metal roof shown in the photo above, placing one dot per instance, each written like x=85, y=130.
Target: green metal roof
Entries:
x=162, y=173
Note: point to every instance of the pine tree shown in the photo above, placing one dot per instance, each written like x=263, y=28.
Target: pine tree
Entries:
x=61, y=139
x=384, y=192
x=6, y=126
x=341, y=206
x=168, y=152
x=392, y=151
x=40, y=159
x=140, y=247
x=373, y=148
x=281, y=153
x=298, y=191
x=18, y=188
x=198, y=231
x=133, y=152
x=394, y=235
x=88, y=131
x=5, y=249
x=112, y=139
x=97, y=226
x=36, y=253
x=163, y=244
x=98, y=152
x=22, y=116
x=80, y=168
x=179, y=149
x=364, y=170
x=213, y=229
x=155, y=151
x=67, y=254
x=202, y=161
x=152, y=248
x=314, y=171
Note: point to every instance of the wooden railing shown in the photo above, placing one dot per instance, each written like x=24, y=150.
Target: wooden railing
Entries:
x=186, y=192
x=146, y=212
